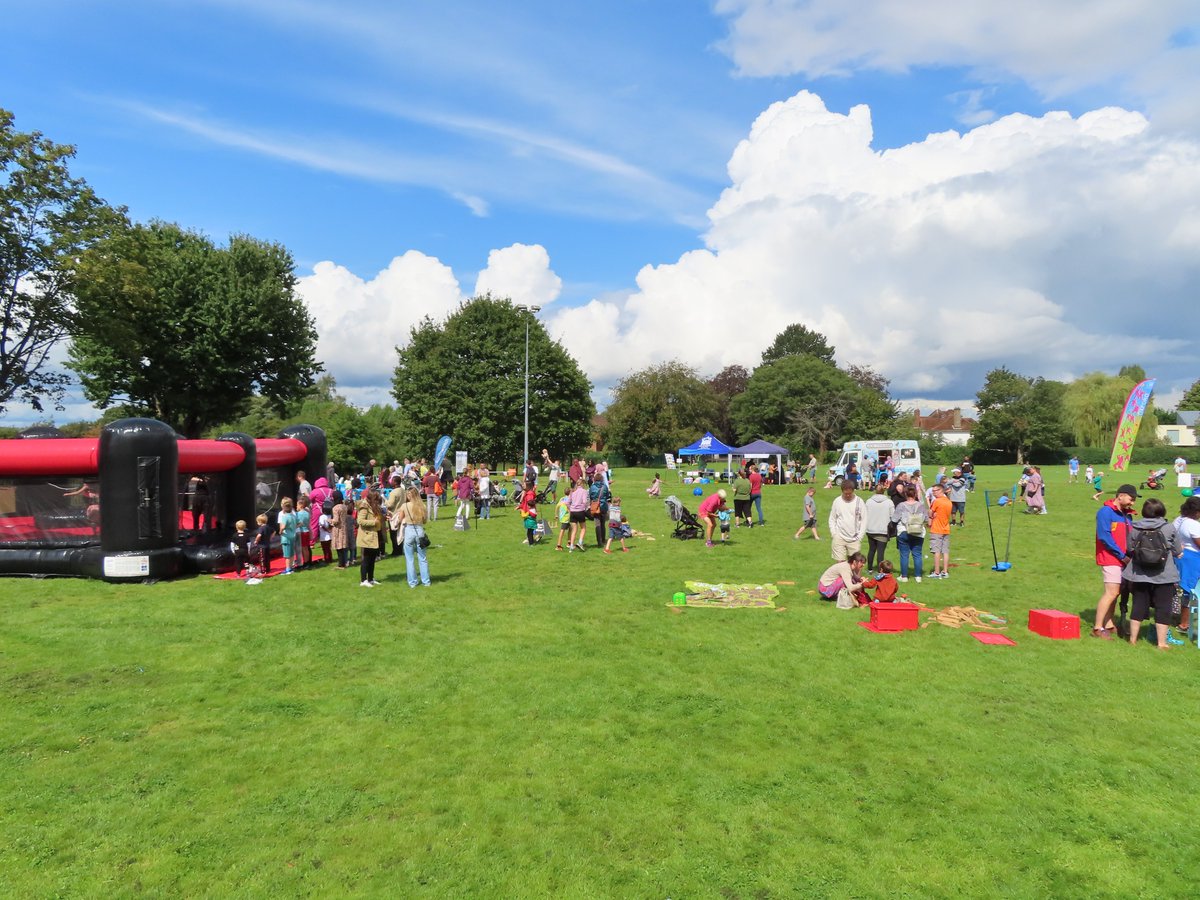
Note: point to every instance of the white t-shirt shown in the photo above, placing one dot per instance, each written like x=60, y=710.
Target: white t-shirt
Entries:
x=485, y=487
x=1189, y=533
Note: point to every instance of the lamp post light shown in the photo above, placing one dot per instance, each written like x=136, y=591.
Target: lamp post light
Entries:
x=533, y=310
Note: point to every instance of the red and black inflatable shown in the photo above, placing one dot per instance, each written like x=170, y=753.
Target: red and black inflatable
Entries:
x=111, y=507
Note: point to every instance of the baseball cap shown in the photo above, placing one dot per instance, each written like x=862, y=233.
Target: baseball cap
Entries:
x=1128, y=489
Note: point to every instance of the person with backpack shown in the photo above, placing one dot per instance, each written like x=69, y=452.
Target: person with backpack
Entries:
x=599, y=496
x=1151, y=570
x=910, y=517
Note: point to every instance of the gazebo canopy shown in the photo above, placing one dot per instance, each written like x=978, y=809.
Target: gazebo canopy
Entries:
x=706, y=446
x=762, y=448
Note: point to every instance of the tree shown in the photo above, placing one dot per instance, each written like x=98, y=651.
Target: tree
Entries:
x=1191, y=398
x=47, y=218
x=1019, y=415
x=797, y=401
x=1133, y=372
x=465, y=377
x=798, y=340
x=1092, y=407
x=658, y=410
x=187, y=332
x=726, y=385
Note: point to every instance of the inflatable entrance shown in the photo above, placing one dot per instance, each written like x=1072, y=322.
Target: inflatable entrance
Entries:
x=140, y=502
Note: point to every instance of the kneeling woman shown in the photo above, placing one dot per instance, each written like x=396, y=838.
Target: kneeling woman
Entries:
x=841, y=581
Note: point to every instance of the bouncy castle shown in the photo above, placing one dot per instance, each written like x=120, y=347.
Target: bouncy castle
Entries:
x=115, y=507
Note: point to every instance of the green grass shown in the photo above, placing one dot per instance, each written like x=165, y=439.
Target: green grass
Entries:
x=541, y=724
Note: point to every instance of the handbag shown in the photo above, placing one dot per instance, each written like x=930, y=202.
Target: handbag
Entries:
x=423, y=541
x=594, y=509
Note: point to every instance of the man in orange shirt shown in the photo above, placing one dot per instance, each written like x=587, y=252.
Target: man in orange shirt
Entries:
x=939, y=532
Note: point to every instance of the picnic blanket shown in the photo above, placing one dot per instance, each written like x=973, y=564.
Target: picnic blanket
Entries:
x=730, y=596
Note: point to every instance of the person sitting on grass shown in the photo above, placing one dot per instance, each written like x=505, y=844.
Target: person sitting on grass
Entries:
x=841, y=582
x=707, y=513
x=884, y=583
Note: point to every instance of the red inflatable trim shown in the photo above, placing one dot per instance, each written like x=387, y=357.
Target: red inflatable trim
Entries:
x=274, y=452
x=209, y=456
x=21, y=458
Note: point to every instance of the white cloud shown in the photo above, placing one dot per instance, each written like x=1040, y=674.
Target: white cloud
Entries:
x=1034, y=243
x=1057, y=48
x=361, y=322
x=521, y=272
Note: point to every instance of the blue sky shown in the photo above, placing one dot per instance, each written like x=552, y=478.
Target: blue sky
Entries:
x=668, y=180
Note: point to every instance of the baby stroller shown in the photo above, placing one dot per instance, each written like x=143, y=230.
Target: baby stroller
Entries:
x=687, y=526
x=1154, y=481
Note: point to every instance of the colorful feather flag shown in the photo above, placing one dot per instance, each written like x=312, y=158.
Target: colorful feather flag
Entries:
x=1127, y=428
x=439, y=454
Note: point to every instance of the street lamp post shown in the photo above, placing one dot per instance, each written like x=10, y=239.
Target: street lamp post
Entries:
x=532, y=310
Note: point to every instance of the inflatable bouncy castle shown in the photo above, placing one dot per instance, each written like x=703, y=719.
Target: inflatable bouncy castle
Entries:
x=140, y=502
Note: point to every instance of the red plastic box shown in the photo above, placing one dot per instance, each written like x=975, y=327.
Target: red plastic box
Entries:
x=892, y=617
x=1054, y=624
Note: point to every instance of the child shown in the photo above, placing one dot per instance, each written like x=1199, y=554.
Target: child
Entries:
x=262, y=543
x=1088, y=473
x=618, y=527
x=562, y=512
x=530, y=522
x=810, y=515
x=240, y=545
x=655, y=489
x=723, y=517
x=288, y=534
x=1098, y=485
x=885, y=583
x=304, y=526
x=325, y=531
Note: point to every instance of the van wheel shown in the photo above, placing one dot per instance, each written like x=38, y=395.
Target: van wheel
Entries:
x=837, y=481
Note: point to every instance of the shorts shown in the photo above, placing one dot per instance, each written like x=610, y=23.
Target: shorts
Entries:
x=810, y=523
x=958, y=506
x=1112, y=574
x=306, y=539
x=1160, y=596
x=579, y=516
x=614, y=531
x=287, y=548
x=939, y=543
x=563, y=526
x=741, y=508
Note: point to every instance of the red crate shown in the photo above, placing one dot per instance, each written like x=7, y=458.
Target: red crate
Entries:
x=1054, y=624
x=892, y=617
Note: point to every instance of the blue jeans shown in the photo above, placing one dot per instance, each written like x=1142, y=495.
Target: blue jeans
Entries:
x=757, y=498
x=412, y=545
x=485, y=508
x=909, y=544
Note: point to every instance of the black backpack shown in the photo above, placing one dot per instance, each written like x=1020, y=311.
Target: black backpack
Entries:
x=1150, y=548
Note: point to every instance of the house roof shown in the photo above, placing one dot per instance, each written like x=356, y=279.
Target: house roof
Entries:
x=1189, y=417
x=944, y=420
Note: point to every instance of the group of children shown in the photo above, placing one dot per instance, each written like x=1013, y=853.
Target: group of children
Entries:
x=252, y=550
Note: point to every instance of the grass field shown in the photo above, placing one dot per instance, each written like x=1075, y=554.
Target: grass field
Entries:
x=541, y=724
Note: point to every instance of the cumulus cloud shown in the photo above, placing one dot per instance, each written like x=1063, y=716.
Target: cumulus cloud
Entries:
x=521, y=272
x=360, y=322
x=1036, y=243
x=1058, y=49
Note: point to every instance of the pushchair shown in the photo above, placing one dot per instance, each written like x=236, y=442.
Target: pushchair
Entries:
x=687, y=526
x=1154, y=481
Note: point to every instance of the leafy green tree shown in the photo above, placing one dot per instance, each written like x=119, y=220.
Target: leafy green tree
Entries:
x=798, y=340
x=465, y=377
x=1133, y=372
x=797, y=401
x=177, y=328
x=1019, y=415
x=726, y=385
x=874, y=415
x=47, y=218
x=1191, y=398
x=1092, y=407
x=658, y=410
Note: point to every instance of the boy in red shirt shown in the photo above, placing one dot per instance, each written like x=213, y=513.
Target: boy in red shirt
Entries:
x=885, y=583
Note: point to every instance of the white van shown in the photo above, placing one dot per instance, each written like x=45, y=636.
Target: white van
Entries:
x=905, y=455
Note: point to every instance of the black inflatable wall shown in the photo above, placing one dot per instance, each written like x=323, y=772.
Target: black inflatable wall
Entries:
x=237, y=495
x=139, y=506
x=313, y=465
